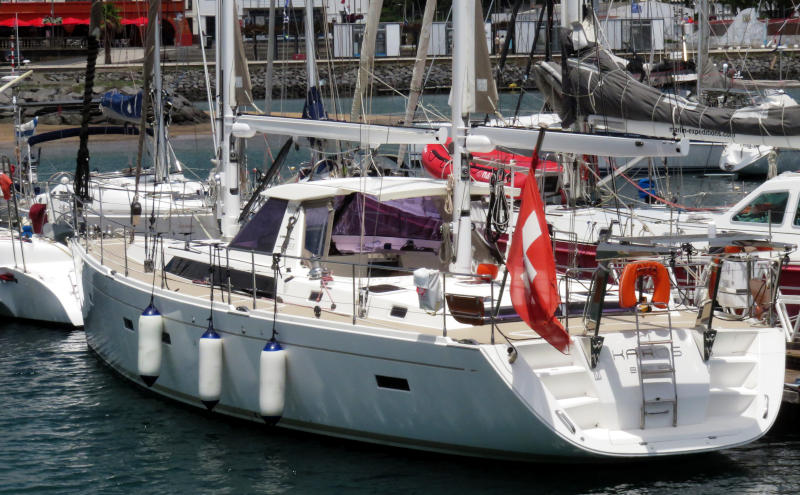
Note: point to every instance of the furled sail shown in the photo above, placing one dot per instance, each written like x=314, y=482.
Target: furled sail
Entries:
x=480, y=91
x=600, y=89
x=244, y=88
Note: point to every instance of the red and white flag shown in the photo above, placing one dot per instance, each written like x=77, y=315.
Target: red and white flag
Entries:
x=534, y=291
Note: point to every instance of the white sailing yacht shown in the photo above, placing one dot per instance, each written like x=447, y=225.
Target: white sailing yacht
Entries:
x=32, y=266
x=341, y=308
x=170, y=202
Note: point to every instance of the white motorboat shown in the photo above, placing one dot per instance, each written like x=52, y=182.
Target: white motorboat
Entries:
x=771, y=210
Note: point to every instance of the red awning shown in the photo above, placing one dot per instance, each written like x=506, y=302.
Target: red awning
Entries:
x=136, y=21
x=22, y=20
x=72, y=21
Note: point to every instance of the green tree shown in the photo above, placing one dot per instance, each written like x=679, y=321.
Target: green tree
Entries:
x=112, y=24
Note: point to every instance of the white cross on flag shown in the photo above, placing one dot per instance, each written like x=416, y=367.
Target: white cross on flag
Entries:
x=534, y=292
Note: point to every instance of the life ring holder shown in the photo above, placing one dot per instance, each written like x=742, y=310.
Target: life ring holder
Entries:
x=638, y=269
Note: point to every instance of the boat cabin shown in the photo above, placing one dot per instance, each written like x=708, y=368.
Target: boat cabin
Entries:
x=773, y=208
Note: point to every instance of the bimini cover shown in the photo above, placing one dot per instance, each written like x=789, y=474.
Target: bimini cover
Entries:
x=121, y=106
x=595, y=85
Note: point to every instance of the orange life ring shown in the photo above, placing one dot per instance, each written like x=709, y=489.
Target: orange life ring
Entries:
x=633, y=272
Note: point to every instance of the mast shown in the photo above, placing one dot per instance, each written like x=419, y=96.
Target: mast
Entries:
x=702, y=43
x=81, y=183
x=463, y=74
x=270, y=59
x=367, y=58
x=311, y=62
x=161, y=168
x=570, y=13
x=419, y=70
x=228, y=161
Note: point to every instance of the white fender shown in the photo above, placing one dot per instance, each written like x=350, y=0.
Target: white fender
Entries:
x=272, y=382
x=209, y=378
x=151, y=326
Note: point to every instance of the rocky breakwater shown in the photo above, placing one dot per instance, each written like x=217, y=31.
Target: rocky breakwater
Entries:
x=57, y=98
x=291, y=81
x=187, y=84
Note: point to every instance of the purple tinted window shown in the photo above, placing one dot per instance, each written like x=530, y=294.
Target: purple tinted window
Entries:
x=387, y=225
x=261, y=231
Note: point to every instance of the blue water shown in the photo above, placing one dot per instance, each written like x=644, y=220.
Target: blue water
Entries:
x=70, y=425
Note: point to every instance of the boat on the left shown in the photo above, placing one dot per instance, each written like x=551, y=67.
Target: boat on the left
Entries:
x=38, y=276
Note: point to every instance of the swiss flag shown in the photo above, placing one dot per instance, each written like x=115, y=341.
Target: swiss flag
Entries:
x=534, y=292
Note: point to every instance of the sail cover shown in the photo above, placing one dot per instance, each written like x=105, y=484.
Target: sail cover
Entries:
x=127, y=108
x=242, y=83
x=26, y=130
x=480, y=91
x=596, y=86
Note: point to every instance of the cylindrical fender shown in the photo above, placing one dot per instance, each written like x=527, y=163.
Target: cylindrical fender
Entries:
x=151, y=326
x=209, y=364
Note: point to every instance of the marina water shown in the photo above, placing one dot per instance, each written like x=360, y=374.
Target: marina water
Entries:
x=68, y=424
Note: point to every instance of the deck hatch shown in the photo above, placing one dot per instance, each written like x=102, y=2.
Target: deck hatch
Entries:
x=392, y=382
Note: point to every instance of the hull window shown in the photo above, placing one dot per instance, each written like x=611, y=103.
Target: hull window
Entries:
x=392, y=382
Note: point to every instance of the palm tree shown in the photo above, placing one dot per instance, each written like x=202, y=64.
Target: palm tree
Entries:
x=111, y=25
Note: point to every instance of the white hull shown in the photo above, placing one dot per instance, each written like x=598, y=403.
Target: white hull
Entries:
x=461, y=398
x=180, y=207
x=589, y=223
x=116, y=192
x=44, y=287
x=742, y=157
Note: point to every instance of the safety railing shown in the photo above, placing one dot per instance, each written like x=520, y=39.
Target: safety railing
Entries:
x=489, y=307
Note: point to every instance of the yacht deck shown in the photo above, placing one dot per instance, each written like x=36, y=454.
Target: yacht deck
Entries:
x=113, y=251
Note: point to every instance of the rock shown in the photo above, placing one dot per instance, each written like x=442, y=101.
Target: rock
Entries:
x=45, y=94
x=50, y=119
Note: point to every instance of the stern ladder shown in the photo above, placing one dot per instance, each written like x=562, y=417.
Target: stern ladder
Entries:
x=655, y=361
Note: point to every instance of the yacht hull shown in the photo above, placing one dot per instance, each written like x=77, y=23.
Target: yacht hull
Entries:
x=428, y=392
x=39, y=282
